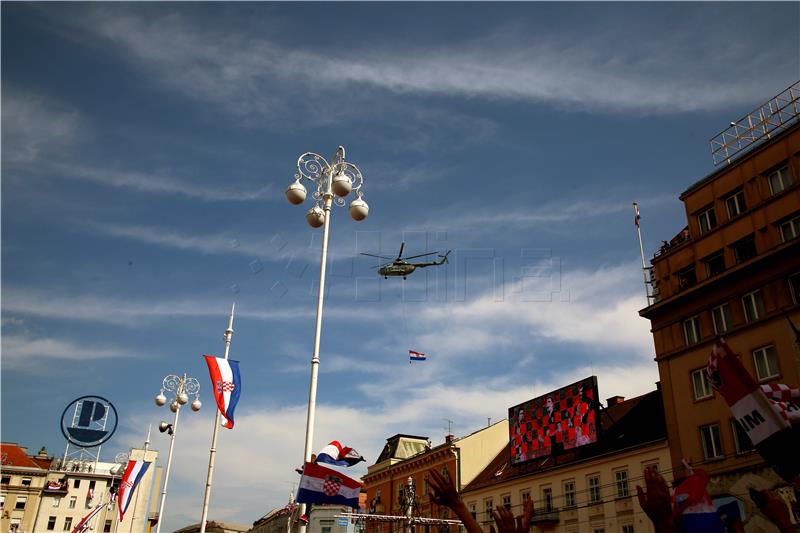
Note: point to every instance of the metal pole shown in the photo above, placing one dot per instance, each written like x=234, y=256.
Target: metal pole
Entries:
x=213, y=453
x=312, y=388
x=641, y=251
x=169, y=463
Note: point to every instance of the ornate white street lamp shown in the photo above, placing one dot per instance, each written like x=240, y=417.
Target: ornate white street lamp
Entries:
x=334, y=181
x=182, y=388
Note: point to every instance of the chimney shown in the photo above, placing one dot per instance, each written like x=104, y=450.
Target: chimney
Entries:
x=614, y=400
x=449, y=439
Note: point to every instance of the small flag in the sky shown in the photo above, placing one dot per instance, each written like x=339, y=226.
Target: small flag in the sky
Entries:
x=323, y=485
x=83, y=525
x=416, y=356
x=227, y=384
x=133, y=475
x=336, y=454
x=636, y=216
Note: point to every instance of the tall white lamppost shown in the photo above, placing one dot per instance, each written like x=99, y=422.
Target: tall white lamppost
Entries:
x=334, y=181
x=182, y=387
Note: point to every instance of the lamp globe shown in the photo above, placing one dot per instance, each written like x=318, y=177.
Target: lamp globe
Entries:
x=341, y=184
x=296, y=193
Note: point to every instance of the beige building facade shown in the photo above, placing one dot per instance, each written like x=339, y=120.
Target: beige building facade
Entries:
x=55, y=495
x=586, y=489
x=23, y=478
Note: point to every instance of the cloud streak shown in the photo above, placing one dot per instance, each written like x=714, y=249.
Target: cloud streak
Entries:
x=592, y=73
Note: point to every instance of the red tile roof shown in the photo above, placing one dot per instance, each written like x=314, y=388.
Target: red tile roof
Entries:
x=13, y=455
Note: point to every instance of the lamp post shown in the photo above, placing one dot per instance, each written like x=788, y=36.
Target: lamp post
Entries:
x=334, y=181
x=182, y=387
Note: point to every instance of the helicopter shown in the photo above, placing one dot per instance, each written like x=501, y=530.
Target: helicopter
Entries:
x=400, y=265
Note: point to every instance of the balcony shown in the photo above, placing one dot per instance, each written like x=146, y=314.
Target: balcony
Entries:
x=545, y=517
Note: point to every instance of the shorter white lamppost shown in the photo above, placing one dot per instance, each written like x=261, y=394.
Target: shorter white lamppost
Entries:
x=182, y=387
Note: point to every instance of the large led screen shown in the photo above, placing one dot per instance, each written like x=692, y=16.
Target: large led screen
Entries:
x=563, y=419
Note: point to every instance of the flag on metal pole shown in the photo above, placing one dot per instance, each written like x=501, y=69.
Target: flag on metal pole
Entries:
x=133, y=475
x=227, y=383
x=83, y=525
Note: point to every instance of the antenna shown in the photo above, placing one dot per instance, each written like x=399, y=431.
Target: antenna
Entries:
x=449, y=425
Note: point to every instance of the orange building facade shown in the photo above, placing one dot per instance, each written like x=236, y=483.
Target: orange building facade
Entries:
x=734, y=271
x=409, y=457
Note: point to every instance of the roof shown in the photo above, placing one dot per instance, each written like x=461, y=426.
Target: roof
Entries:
x=213, y=526
x=627, y=424
x=13, y=455
x=745, y=156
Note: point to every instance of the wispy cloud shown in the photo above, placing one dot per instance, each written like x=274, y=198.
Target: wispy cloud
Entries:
x=161, y=184
x=591, y=73
x=24, y=350
x=33, y=126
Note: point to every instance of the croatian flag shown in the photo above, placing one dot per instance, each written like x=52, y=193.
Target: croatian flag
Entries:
x=693, y=504
x=323, y=485
x=636, y=216
x=227, y=384
x=83, y=525
x=764, y=420
x=133, y=475
x=336, y=454
x=416, y=356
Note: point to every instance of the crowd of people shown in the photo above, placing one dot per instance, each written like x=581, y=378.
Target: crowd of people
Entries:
x=655, y=499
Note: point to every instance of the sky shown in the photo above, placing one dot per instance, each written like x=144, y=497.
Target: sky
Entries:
x=146, y=148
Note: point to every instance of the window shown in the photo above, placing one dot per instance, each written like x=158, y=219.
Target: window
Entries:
x=599, y=530
x=687, y=277
x=569, y=493
x=702, y=389
x=76, y=483
x=473, y=511
x=691, y=330
x=525, y=495
x=547, y=498
x=715, y=264
x=735, y=204
x=621, y=480
x=794, y=287
x=13, y=527
x=72, y=501
x=753, y=306
x=627, y=528
x=26, y=482
x=56, y=502
x=594, y=489
x=712, y=445
x=766, y=363
x=51, y=523
x=779, y=179
x=740, y=438
x=790, y=229
x=6, y=480
x=326, y=526
x=68, y=523
x=744, y=249
x=653, y=466
x=721, y=316
x=707, y=220
x=107, y=527
x=507, y=501
x=488, y=507
x=20, y=504
x=2, y=500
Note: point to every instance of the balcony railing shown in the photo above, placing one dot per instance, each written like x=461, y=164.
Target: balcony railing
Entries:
x=541, y=516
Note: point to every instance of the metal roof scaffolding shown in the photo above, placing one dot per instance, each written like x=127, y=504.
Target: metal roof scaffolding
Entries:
x=769, y=118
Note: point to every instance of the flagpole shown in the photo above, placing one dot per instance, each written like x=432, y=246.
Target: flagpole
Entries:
x=213, y=452
x=641, y=251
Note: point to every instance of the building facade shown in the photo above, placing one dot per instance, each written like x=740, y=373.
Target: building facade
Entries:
x=23, y=479
x=74, y=488
x=409, y=457
x=41, y=494
x=733, y=271
x=590, y=488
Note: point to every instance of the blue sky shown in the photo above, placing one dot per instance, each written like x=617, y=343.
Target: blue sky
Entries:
x=146, y=148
